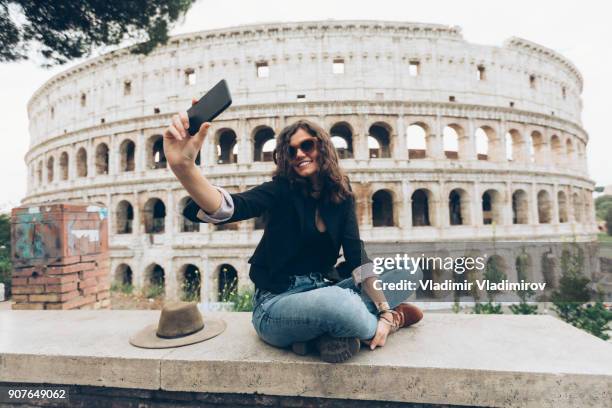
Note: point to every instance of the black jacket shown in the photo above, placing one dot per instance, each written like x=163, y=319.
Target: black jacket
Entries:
x=282, y=235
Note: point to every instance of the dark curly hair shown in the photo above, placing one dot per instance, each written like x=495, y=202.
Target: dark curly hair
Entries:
x=335, y=184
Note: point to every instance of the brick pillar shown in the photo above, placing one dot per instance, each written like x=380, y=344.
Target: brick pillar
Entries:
x=60, y=257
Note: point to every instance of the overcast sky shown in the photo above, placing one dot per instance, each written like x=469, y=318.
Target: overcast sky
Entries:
x=581, y=31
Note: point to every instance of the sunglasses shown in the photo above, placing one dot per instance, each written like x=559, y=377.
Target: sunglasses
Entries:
x=307, y=146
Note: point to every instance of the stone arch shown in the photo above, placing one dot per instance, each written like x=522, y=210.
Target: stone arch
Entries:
x=186, y=225
x=39, y=170
x=127, y=152
x=459, y=207
x=101, y=158
x=81, y=162
x=342, y=137
x=520, y=207
x=154, y=216
x=226, y=141
x=191, y=282
x=156, y=159
x=548, y=265
x=492, y=207
x=64, y=162
x=155, y=276
x=381, y=133
x=423, y=208
x=569, y=150
x=124, y=217
x=227, y=280
x=50, y=167
x=562, y=204
x=544, y=207
x=416, y=140
x=382, y=209
x=488, y=146
x=557, y=150
x=536, y=147
x=578, y=207
x=515, y=146
x=450, y=141
x=261, y=136
x=124, y=275
x=524, y=267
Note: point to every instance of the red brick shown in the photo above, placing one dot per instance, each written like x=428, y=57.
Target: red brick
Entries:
x=87, y=283
x=19, y=298
x=65, y=260
x=62, y=288
x=19, y=281
x=87, y=275
x=78, y=267
x=28, y=306
x=72, y=304
x=27, y=272
x=55, y=279
x=24, y=290
x=54, y=297
x=92, y=290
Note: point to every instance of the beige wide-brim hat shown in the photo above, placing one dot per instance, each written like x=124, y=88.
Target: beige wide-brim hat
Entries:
x=180, y=324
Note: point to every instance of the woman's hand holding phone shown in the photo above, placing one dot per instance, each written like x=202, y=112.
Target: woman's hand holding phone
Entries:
x=180, y=148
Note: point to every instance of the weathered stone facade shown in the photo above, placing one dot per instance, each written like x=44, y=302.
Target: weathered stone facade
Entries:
x=442, y=139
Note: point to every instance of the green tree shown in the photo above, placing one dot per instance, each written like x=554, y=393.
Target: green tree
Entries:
x=609, y=221
x=5, y=252
x=602, y=205
x=523, y=307
x=571, y=300
x=64, y=30
x=493, y=273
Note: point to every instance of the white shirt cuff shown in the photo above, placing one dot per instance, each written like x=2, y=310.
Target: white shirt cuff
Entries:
x=223, y=213
x=363, y=272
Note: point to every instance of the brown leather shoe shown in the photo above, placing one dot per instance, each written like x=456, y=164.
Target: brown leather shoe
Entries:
x=410, y=314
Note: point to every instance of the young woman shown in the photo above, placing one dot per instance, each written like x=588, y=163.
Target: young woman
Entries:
x=302, y=300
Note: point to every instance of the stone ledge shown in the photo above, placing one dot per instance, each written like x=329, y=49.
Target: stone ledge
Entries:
x=473, y=360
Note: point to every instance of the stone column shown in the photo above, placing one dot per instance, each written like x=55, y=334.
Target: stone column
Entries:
x=245, y=154
x=467, y=142
x=507, y=205
x=91, y=159
x=400, y=150
x=476, y=214
x=435, y=140
x=441, y=205
x=141, y=153
x=533, y=208
x=501, y=152
x=406, y=213
x=360, y=140
x=113, y=156
x=555, y=205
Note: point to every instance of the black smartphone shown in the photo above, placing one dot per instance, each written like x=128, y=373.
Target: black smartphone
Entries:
x=209, y=106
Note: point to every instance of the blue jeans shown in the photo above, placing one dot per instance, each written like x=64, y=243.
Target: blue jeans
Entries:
x=311, y=307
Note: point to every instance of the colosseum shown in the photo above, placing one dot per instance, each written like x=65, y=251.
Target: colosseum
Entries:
x=444, y=141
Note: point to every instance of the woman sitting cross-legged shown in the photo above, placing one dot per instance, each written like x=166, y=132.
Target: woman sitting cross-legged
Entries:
x=302, y=300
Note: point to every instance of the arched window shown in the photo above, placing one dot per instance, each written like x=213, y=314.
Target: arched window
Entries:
x=416, y=141
x=50, y=165
x=381, y=135
x=263, y=135
x=226, y=145
x=491, y=207
x=102, y=159
x=64, y=166
x=154, y=216
x=451, y=142
x=124, y=275
x=155, y=281
x=185, y=224
x=544, y=207
x=459, y=207
x=557, y=150
x=125, y=217
x=536, y=148
x=578, y=207
x=191, y=283
x=342, y=138
x=228, y=282
x=156, y=157
x=422, y=211
x=127, y=150
x=520, y=213
x=81, y=162
x=382, y=209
